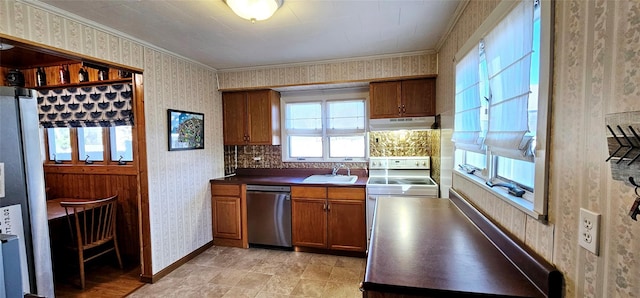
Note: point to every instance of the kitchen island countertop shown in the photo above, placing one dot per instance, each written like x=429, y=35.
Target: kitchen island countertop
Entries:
x=428, y=247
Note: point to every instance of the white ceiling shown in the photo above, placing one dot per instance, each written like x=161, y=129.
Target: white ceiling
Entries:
x=208, y=31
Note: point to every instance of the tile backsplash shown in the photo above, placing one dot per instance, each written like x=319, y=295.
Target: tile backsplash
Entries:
x=392, y=143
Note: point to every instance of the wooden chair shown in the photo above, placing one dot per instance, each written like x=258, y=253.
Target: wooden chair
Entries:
x=93, y=226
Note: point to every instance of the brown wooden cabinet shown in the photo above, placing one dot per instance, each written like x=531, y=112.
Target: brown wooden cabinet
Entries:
x=329, y=217
x=229, y=216
x=407, y=98
x=251, y=117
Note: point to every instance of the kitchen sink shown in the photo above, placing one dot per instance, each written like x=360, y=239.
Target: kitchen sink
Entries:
x=331, y=179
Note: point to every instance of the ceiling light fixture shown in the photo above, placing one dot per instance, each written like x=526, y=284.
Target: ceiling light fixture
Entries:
x=5, y=46
x=254, y=10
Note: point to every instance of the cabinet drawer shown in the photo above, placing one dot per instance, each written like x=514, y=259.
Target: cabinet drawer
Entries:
x=346, y=193
x=309, y=192
x=225, y=190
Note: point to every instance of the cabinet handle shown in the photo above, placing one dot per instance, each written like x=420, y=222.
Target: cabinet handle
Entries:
x=404, y=110
x=399, y=111
x=328, y=207
x=324, y=206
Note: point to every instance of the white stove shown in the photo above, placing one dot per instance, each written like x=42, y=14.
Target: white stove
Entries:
x=398, y=177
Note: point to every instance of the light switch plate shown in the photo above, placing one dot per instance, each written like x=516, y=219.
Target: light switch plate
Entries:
x=589, y=230
x=1, y=180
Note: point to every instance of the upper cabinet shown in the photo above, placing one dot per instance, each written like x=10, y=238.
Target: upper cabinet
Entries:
x=407, y=98
x=251, y=117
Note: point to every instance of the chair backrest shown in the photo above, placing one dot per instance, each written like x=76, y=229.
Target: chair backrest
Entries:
x=94, y=221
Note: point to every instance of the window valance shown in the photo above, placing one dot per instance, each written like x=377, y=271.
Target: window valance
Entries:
x=90, y=106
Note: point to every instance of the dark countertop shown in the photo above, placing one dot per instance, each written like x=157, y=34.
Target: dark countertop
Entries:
x=428, y=247
x=286, y=177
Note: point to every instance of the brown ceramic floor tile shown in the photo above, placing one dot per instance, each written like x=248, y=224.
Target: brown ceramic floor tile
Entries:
x=346, y=275
x=253, y=280
x=309, y=288
x=341, y=290
x=317, y=272
x=292, y=269
x=228, y=277
x=267, y=267
x=255, y=272
x=328, y=260
x=237, y=292
x=282, y=285
x=213, y=291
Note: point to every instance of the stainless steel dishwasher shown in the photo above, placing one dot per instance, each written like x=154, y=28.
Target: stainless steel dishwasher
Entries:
x=269, y=215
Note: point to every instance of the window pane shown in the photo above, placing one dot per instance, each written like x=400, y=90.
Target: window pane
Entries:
x=121, y=146
x=306, y=116
x=59, y=143
x=90, y=143
x=346, y=114
x=476, y=159
x=346, y=146
x=516, y=170
x=305, y=146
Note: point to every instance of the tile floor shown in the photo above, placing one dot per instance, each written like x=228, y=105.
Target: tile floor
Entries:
x=256, y=272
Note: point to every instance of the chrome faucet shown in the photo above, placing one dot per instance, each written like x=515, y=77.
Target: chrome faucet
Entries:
x=337, y=167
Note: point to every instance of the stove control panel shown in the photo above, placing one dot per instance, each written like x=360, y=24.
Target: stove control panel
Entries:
x=420, y=162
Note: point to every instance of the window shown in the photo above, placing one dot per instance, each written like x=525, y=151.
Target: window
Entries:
x=90, y=144
x=59, y=144
x=121, y=139
x=501, y=102
x=324, y=126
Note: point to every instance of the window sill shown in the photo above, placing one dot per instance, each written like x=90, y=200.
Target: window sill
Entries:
x=519, y=203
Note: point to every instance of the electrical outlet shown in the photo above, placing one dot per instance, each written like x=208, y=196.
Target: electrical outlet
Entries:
x=589, y=230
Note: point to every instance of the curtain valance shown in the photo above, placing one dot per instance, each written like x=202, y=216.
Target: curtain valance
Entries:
x=90, y=106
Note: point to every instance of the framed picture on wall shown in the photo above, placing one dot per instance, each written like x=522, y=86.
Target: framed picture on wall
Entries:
x=186, y=130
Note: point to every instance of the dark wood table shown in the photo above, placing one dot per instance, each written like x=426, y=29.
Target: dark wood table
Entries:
x=55, y=211
x=427, y=247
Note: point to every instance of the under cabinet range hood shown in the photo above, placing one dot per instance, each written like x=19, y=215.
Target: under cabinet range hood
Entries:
x=412, y=123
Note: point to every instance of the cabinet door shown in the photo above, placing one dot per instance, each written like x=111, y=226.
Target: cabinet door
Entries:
x=309, y=222
x=234, y=117
x=347, y=222
x=418, y=98
x=227, y=218
x=259, y=117
x=384, y=100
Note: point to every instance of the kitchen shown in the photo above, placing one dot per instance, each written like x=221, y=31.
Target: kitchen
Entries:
x=575, y=163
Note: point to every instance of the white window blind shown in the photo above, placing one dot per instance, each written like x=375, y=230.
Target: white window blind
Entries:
x=467, y=129
x=303, y=118
x=508, y=49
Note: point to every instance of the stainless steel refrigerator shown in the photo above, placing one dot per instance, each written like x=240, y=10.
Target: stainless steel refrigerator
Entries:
x=23, y=209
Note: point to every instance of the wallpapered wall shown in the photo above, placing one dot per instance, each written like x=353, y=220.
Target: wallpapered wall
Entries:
x=331, y=72
x=595, y=73
x=179, y=196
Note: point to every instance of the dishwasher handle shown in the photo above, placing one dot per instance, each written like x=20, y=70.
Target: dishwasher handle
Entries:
x=269, y=188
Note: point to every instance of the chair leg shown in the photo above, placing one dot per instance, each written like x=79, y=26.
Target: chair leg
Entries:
x=81, y=261
x=115, y=244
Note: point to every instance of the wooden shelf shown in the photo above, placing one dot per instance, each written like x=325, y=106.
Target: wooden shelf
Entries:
x=81, y=84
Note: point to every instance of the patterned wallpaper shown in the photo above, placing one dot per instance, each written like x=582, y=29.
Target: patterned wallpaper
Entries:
x=595, y=73
x=331, y=72
x=179, y=195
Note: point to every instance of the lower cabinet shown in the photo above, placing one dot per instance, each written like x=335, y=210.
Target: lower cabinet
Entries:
x=329, y=217
x=229, y=220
